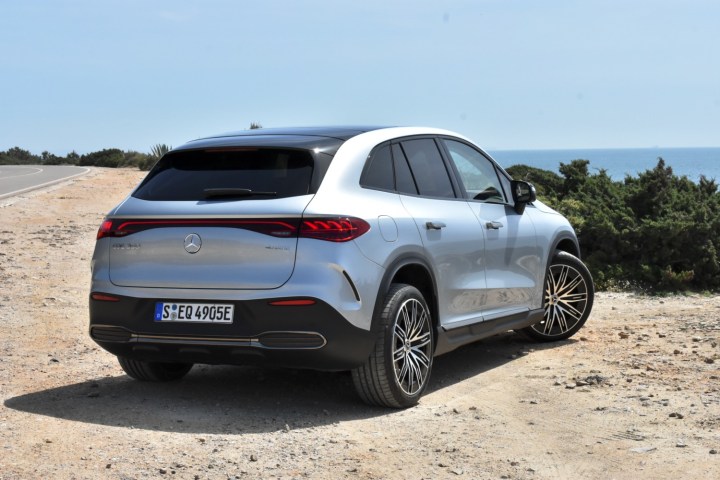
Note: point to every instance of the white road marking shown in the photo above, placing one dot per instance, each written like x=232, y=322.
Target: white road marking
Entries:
x=37, y=170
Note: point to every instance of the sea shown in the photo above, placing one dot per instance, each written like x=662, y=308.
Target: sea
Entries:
x=620, y=162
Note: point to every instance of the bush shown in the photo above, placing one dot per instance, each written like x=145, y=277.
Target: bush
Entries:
x=657, y=231
x=18, y=156
x=109, y=157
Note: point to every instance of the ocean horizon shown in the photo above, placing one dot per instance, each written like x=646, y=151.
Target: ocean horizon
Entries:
x=691, y=162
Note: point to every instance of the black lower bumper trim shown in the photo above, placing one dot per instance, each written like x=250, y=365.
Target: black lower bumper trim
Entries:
x=308, y=336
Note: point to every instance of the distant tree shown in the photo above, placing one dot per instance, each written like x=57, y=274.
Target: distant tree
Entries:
x=73, y=158
x=18, y=156
x=48, y=158
x=255, y=126
x=136, y=159
x=108, y=157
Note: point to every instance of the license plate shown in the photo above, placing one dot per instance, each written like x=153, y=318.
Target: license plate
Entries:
x=194, y=312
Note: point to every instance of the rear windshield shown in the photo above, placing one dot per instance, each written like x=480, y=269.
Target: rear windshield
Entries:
x=221, y=174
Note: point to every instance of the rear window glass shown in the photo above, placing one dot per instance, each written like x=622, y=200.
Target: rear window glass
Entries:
x=252, y=173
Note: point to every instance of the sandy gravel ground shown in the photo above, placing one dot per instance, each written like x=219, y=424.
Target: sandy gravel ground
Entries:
x=636, y=394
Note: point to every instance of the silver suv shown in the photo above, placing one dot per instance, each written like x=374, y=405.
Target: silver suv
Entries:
x=347, y=248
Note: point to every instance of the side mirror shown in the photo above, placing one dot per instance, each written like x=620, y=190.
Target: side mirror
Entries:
x=523, y=193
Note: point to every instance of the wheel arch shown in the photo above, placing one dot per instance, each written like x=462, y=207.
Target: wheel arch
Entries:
x=410, y=269
x=565, y=243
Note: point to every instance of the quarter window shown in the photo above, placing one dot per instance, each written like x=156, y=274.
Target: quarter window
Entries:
x=379, y=170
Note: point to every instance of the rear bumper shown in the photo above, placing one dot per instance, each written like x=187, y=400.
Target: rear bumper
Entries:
x=312, y=336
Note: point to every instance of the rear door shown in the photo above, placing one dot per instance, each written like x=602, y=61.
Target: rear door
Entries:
x=449, y=230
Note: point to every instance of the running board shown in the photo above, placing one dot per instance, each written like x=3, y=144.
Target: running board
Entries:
x=448, y=340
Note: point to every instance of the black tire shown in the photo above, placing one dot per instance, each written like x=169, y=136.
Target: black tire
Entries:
x=154, y=371
x=398, y=370
x=568, y=299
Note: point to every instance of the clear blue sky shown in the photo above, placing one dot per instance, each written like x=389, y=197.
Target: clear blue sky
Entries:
x=511, y=74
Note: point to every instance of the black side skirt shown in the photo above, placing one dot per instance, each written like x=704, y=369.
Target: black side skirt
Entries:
x=448, y=340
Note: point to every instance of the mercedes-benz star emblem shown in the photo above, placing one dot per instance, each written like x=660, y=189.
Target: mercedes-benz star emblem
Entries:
x=193, y=243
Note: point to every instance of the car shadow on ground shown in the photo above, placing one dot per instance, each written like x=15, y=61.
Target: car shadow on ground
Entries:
x=236, y=400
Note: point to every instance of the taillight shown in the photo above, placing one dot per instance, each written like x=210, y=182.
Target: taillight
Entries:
x=281, y=228
x=106, y=230
x=333, y=229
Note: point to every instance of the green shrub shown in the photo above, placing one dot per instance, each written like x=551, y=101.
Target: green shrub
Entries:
x=656, y=231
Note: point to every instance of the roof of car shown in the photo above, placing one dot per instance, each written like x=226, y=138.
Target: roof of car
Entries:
x=326, y=139
x=339, y=132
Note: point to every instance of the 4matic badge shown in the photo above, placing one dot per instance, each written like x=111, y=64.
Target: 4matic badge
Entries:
x=126, y=246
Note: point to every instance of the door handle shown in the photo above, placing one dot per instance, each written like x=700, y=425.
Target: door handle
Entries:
x=493, y=225
x=434, y=225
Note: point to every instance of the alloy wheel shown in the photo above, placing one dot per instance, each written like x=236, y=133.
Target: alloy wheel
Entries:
x=412, y=346
x=566, y=299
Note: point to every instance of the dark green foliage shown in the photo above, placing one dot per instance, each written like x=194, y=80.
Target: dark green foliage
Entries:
x=18, y=156
x=159, y=149
x=657, y=231
x=546, y=183
x=156, y=153
x=111, y=157
x=108, y=157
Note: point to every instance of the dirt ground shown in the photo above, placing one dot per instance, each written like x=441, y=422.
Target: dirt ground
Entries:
x=635, y=394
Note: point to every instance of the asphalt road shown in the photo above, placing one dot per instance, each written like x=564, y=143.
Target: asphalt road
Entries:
x=17, y=179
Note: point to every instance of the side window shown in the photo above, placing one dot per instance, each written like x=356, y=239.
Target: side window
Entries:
x=477, y=173
x=404, y=182
x=378, y=171
x=428, y=168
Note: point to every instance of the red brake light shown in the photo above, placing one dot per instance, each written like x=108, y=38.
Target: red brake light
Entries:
x=333, y=229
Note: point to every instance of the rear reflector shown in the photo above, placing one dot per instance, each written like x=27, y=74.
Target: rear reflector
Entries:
x=104, y=297
x=292, y=303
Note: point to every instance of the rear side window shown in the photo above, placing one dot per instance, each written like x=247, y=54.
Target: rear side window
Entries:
x=428, y=168
x=378, y=172
x=404, y=178
x=243, y=173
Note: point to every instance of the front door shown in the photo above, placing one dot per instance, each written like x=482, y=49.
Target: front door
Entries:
x=512, y=258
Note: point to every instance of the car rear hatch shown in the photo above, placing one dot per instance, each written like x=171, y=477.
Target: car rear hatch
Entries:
x=217, y=218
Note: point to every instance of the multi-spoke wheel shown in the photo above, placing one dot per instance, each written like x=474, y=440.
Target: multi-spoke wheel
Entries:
x=568, y=299
x=398, y=369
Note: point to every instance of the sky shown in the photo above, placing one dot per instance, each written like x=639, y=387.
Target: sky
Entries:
x=85, y=75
